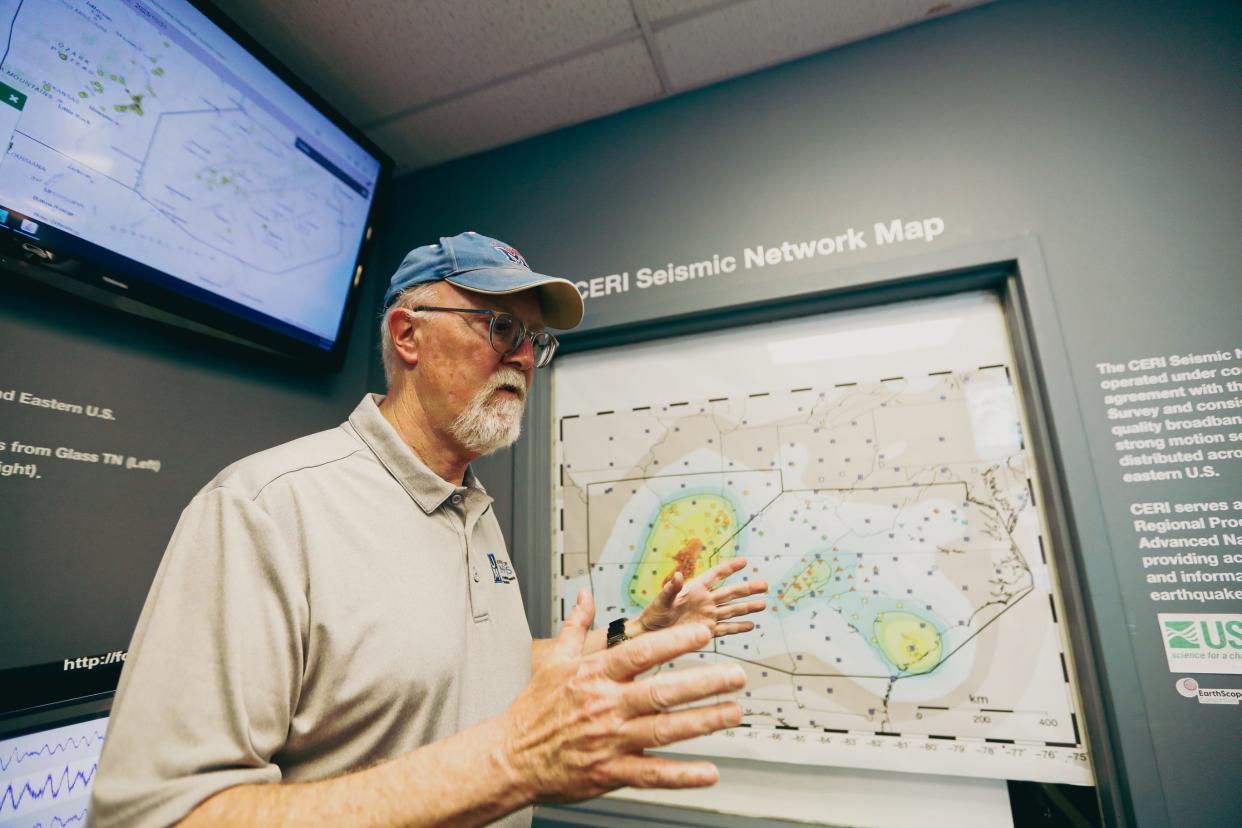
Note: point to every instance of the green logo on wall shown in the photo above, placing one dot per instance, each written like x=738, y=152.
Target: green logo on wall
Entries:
x=1202, y=642
x=1181, y=635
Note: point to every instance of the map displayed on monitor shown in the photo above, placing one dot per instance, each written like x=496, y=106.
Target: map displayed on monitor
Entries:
x=911, y=621
x=140, y=126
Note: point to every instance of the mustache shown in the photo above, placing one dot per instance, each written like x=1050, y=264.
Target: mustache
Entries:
x=509, y=379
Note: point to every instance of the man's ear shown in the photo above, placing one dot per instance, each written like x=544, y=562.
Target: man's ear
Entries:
x=402, y=327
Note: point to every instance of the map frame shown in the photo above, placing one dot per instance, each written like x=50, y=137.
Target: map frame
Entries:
x=883, y=743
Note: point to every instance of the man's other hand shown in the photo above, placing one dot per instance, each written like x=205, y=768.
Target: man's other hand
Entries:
x=706, y=600
x=580, y=727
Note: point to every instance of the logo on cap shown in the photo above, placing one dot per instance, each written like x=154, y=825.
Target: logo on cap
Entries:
x=512, y=254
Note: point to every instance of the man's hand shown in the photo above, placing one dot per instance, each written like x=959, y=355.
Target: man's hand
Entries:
x=577, y=730
x=580, y=727
x=704, y=600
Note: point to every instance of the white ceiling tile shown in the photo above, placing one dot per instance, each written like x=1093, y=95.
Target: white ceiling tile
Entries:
x=742, y=37
x=658, y=10
x=291, y=34
x=432, y=80
x=375, y=58
x=571, y=92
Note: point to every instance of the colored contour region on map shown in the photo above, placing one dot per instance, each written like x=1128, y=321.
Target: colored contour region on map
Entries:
x=908, y=643
x=689, y=534
x=693, y=532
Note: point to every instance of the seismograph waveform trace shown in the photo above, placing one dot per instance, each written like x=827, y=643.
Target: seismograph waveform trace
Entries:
x=46, y=776
x=58, y=822
x=18, y=755
x=68, y=783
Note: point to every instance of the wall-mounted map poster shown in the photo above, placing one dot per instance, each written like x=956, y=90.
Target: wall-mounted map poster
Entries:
x=872, y=467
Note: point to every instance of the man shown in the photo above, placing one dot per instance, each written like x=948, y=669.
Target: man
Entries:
x=331, y=613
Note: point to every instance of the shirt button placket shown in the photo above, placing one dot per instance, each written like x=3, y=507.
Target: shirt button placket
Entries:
x=476, y=578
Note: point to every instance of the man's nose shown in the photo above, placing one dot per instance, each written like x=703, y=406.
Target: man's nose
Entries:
x=524, y=357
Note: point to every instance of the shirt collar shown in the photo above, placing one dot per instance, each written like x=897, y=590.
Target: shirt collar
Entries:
x=428, y=489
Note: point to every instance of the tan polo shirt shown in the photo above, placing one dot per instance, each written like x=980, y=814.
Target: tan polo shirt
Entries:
x=322, y=606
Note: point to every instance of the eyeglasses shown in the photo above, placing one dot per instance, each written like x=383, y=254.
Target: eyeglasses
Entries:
x=505, y=333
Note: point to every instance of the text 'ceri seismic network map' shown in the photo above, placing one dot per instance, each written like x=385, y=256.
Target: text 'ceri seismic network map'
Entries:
x=911, y=621
x=140, y=127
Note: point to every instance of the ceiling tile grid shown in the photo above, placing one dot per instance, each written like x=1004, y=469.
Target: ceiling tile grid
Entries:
x=433, y=80
x=561, y=94
x=748, y=36
x=373, y=59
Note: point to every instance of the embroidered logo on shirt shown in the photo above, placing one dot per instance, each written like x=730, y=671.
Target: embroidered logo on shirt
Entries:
x=502, y=573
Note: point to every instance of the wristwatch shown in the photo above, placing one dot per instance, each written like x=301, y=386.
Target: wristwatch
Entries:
x=616, y=632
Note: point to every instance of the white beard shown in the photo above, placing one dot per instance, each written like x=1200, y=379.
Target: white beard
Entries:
x=486, y=425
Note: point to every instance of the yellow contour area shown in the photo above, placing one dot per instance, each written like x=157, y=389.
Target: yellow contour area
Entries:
x=812, y=578
x=691, y=534
x=910, y=642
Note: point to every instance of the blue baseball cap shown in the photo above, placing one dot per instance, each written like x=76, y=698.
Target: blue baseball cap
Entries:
x=483, y=265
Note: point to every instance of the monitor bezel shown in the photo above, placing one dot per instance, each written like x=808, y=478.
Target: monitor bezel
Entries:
x=75, y=711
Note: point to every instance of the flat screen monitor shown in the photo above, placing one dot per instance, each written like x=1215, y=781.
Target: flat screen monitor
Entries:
x=155, y=159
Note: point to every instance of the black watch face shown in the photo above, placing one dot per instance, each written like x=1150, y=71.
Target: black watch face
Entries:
x=616, y=632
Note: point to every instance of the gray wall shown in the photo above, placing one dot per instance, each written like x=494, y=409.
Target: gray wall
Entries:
x=81, y=543
x=1107, y=131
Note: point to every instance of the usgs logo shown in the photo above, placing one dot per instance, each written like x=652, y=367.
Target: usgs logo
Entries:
x=1202, y=643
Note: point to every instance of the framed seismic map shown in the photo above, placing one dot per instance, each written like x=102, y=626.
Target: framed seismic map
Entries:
x=873, y=466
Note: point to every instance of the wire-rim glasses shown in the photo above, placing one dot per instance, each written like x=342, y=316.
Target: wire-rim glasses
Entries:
x=505, y=333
